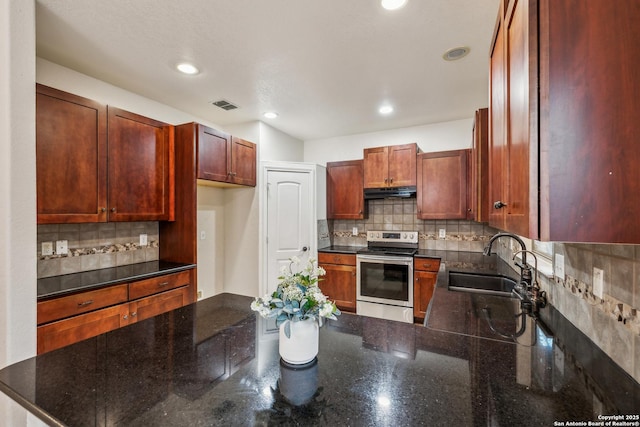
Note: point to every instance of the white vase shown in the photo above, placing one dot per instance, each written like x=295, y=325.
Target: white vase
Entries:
x=302, y=344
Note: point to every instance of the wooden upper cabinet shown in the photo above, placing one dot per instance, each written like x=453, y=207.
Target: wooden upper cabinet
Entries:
x=497, y=176
x=563, y=121
x=140, y=168
x=393, y=166
x=213, y=161
x=225, y=159
x=96, y=163
x=442, y=189
x=478, y=167
x=71, y=158
x=345, y=193
x=243, y=162
x=513, y=180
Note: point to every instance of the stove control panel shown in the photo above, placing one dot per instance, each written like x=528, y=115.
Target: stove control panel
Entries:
x=392, y=236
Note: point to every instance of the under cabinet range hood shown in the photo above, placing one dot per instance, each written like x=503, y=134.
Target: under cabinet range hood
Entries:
x=385, y=193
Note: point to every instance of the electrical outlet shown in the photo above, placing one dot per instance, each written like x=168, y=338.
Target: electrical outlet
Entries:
x=47, y=248
x=558, y=267
x=442, y=233
x=143, y=240
x=354, y=231
x=199, y=294
x=62, y=247
x=598, y=282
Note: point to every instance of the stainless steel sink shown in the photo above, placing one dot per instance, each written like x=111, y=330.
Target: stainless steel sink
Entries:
x=487, y=284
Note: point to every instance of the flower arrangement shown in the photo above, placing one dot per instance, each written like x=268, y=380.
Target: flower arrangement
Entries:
x=297, y=297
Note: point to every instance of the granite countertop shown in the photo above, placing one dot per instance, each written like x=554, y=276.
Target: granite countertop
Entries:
x=341, y=249
x=212, y=363
x=56, y=286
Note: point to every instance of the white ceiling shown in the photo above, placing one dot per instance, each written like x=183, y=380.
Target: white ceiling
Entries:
x=324, y=65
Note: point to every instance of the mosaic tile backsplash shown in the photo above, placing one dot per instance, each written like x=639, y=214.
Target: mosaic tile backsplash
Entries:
x=611, y=322
x=399, y=215
x=96, y=245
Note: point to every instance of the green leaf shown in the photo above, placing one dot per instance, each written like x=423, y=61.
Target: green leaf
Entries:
x=287, y=329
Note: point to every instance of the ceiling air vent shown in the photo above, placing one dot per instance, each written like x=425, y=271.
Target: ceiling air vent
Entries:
x=225, y=105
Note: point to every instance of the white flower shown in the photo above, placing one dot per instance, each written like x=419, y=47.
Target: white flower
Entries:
x=321, y=272
x=293, y=293
x=295, y=260
x=326, y=309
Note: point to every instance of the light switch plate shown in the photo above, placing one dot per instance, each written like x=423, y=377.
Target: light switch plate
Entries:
x=558, y=266
x=143, y=240
x=203, y=235
x=47, y=248
x=442, y=233
x=598, y=282
x=62, y=247
x=354, y=231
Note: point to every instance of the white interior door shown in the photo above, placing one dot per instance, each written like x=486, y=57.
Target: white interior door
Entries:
x=290, y=216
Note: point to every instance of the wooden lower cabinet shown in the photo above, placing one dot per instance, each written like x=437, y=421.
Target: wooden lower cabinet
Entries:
x=339, y=283
x=59, y=323
x=425, y=276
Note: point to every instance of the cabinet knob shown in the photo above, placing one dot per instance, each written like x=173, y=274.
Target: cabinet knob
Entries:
x=386, y=180
x=103, y=209
x=125, y=317
x=499, y=205
x=391, y=180
x=134, y=314
x=113, y=210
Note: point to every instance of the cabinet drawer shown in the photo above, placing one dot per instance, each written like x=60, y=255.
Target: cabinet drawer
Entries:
x=157, y=304
x=68, y=331
x=426, y=264
x=154, y=285
x=332, y=258
x=59, y=308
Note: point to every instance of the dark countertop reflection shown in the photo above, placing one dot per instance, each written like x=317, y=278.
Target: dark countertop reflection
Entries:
x=213, y=363
x=69, y=283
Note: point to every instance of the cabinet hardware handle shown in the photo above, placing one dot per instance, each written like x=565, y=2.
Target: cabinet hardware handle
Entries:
x=113, y=209
x=134, y=314
x=163, y=284
x=499, y=204
x=103, y=209
x=125, y=317
x=361, y=212
x=85, y=303
x=386, y=179
x=391, y=180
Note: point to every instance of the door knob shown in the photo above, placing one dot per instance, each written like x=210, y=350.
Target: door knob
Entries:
x=305, y=249
x=499, y=204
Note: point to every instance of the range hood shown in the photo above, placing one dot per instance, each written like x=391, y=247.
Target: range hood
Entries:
x=385, y=193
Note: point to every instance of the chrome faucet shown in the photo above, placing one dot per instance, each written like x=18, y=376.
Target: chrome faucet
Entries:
x=527, y=290
x=533, y=298
x=525, y=270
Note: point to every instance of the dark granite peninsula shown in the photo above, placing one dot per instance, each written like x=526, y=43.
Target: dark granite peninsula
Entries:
x=211, y=364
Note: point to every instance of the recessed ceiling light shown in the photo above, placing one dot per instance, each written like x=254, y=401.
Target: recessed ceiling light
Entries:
x=456, y=53
x=187, y=68
x=393, y=4
x=385, y=109
x=270, y=114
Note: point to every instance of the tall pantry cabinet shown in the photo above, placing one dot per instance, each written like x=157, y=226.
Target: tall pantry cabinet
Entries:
x=564, y=100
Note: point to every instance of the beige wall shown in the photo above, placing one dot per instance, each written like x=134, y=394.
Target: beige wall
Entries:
x=445, y=136
x=17, y=182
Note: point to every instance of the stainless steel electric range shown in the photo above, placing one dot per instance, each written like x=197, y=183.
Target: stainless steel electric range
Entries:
x=384, y=275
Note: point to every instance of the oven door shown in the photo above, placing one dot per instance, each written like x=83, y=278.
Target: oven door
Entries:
x=385, y=280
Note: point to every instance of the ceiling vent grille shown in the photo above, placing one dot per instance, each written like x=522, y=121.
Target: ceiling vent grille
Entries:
x=225, y=105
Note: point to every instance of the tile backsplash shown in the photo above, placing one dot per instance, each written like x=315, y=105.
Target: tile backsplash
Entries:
x=611, y=322
x=400, y=215
x=96, y=245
